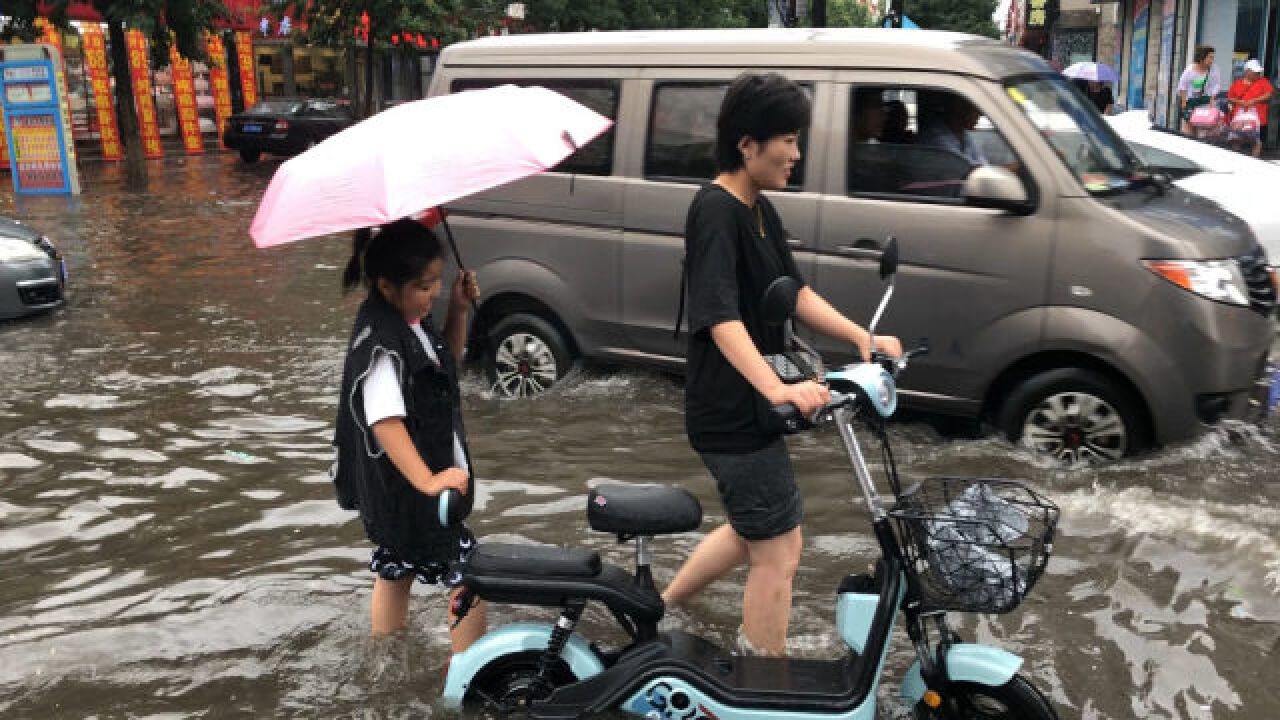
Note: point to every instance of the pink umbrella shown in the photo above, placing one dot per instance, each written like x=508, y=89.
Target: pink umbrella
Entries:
x=416, y=156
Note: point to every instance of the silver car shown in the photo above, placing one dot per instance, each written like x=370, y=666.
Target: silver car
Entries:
x=33, y=275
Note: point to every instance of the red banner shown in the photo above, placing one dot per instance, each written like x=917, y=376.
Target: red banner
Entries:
x=184, y=97
x=248, y=79
x=95, y=61
x=4, y=144
x=140, y=72
x=220, y=82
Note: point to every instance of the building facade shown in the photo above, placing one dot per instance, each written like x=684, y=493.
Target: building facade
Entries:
x=1150, y=42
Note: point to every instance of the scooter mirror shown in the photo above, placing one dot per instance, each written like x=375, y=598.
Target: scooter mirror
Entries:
x=779, y=301
x=889, y=258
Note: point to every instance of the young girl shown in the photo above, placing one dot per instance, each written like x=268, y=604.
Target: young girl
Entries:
x=400, y=436
x=736, y=246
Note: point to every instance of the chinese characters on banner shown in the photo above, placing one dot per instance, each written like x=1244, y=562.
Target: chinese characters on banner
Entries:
x=95, y=60
x=35, y=152
x=1037, y=13
x=140, y=73
x=248, y=80
x=53, y=36
x=219, y=80
x=184, y=96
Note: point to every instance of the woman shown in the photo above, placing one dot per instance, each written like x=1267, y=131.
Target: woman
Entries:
x=736, y=246
x=1198, y=85
x=1252, y=90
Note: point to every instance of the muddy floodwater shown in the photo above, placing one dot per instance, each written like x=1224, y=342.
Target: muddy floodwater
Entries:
x=170, y=546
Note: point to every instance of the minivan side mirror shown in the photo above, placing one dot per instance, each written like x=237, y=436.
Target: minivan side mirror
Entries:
x=989, y=186
x=779, y=301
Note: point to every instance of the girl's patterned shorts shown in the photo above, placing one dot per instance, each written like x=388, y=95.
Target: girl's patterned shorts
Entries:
x=389, y=566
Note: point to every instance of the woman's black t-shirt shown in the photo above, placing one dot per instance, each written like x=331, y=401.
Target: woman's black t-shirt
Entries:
x=730, y=263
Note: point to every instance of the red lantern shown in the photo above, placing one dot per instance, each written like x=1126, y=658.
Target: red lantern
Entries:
x=435, y=44
x=422, y=42
x=395, y=39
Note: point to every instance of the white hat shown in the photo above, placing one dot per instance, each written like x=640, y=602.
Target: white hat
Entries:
x=1253, y=65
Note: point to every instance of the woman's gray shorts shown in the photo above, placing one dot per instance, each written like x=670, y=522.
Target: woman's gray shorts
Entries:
x=758, y=490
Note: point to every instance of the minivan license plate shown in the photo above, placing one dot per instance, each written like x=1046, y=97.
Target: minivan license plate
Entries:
x=251, y=128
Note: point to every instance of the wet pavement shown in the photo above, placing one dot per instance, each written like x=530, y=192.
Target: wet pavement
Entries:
x=170, y=547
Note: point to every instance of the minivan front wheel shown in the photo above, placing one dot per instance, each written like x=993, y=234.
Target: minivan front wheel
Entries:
x=526, y=356
x=1075, y=416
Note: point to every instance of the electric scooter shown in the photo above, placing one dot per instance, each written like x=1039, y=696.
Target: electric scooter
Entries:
x=947, y=544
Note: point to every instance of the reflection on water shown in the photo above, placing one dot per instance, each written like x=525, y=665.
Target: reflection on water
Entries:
x=170, y=545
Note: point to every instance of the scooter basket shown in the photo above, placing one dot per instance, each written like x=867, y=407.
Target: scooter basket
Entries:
x=974, y=545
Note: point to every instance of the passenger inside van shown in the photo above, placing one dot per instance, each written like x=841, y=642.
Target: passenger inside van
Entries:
x=868, y=115
x=896, y=120
x=952, y=130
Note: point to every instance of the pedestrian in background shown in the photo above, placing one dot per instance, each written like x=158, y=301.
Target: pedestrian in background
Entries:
x=400, y=437
x=1198, y=85
x=736, y=246
x=1250, y=94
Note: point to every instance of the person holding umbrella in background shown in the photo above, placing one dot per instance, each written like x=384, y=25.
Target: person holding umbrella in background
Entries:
x=1094, y=80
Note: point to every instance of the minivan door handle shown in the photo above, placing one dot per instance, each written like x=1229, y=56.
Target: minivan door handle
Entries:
x=794, y=242
x=861, y=248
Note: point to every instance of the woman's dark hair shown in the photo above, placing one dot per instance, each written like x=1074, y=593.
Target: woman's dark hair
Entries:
x=1202, y=52
x=760, y=107
x=399, y=251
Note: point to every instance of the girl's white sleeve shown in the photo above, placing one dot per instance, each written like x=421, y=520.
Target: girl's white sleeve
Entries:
x=381, y=391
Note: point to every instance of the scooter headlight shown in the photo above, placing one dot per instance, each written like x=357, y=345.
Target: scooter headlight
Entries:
x=1219, y=280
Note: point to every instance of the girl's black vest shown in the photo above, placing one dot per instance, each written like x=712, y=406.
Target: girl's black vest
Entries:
x=396, y=514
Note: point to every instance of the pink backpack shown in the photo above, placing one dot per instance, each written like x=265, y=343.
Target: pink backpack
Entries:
x=1205, y=117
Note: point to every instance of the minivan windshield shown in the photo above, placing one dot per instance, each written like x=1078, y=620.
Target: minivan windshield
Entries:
x=1081, y=138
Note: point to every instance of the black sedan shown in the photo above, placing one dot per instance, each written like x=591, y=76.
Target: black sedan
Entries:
x=284, y=126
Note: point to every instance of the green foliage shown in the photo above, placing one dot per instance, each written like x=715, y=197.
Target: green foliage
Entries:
x=582, y=15
x=334, y=22
x=969, y=16
x=849, y=14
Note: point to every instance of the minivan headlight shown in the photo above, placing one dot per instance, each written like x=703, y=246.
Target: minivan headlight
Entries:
x=15, y=250
x=1219, y=280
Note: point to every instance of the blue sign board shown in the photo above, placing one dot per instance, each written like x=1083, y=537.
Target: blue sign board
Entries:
x=33, y=123
x=1138, y=55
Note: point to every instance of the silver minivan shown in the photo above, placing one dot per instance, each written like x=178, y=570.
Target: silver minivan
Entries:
x=1082, y=305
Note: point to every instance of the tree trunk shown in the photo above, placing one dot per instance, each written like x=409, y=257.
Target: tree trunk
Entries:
x=368, y=74
x=135, y=160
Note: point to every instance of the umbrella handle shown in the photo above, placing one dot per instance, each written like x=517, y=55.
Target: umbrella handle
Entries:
x=453, y=246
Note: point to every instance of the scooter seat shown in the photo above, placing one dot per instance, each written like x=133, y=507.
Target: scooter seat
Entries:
x=497, y=559
x=642, y=511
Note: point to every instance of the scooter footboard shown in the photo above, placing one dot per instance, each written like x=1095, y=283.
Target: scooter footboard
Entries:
x=966, y=662
x=509, y=640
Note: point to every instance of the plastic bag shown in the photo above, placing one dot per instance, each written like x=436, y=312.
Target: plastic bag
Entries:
x=1246, y=120
x=1206, y=117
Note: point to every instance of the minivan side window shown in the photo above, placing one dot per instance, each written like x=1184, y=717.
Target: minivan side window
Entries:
x=601, y=95
x=918, y=142
x=680, y=145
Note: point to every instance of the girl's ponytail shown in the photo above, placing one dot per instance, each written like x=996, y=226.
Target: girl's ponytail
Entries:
x=359, y=244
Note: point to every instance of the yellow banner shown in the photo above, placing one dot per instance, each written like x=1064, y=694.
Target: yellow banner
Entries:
x=184, y=96
x=140, y=70
x=53, y=36
x=95, y=60
x=220, y=82
x=248, y=79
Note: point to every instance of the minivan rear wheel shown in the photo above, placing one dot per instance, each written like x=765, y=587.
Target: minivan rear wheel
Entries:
x=1075, y=416
x=526, y=356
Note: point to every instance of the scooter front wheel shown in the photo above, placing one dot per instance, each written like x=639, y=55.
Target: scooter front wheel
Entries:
x=509, y=685
x=1017, y=699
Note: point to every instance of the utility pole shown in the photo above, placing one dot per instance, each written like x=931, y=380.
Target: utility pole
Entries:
x=818, y=13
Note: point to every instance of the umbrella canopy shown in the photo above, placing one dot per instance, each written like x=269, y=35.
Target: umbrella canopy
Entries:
x=418, y=155
x=1098, y=72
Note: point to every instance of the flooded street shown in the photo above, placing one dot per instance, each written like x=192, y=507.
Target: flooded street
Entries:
x=170, y=545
